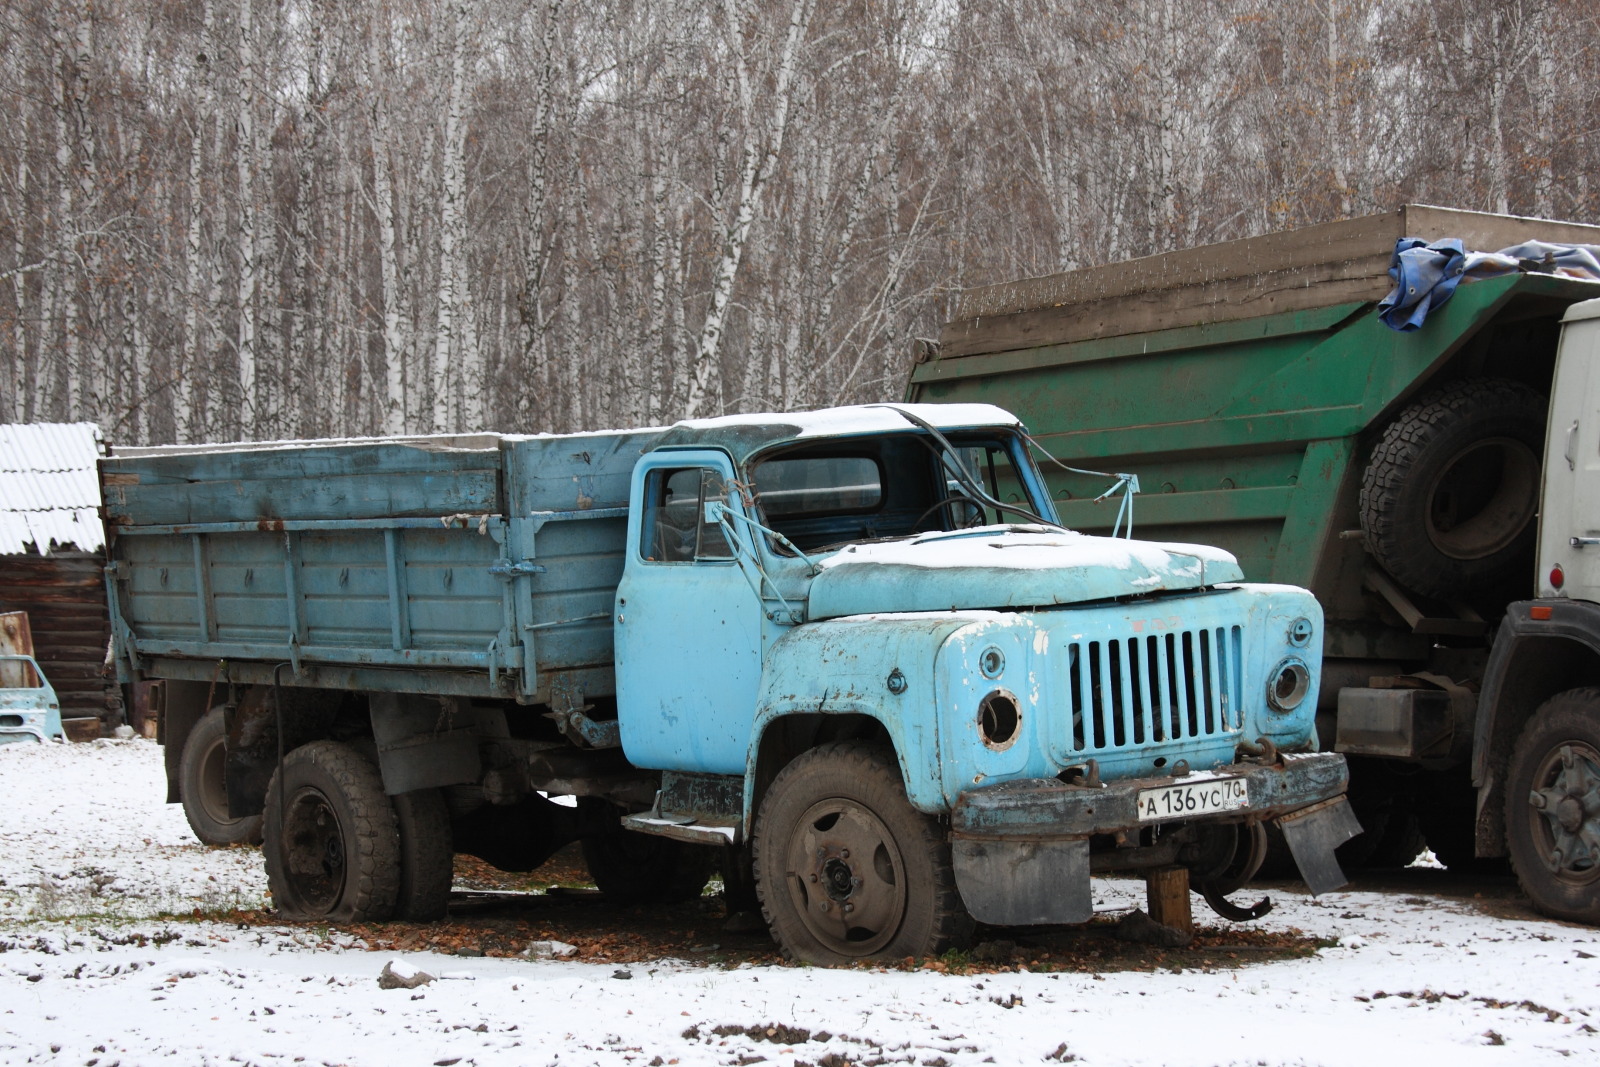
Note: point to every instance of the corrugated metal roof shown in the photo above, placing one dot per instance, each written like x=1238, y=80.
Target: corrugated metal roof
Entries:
x=49, y=493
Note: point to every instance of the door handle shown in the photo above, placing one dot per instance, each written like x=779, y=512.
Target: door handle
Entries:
x=1572, y=432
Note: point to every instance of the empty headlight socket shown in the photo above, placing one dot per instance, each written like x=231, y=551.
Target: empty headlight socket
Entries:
x=1000, y=719
x=1288, y=686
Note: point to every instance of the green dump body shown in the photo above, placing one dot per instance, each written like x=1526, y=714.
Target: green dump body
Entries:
x=1244, y=384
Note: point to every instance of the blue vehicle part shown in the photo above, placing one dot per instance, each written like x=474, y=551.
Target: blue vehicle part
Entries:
x=1138, y=687
x=689, y=624
x=478, y=566
x=1007, y=567
x=29, y=709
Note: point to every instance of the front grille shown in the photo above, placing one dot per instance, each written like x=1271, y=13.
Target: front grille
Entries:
x=1157, y=687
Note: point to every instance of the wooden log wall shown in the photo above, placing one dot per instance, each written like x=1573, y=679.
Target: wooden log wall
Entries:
x=64, y=595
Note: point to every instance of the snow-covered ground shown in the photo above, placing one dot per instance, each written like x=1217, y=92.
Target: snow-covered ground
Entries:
x=102, y=963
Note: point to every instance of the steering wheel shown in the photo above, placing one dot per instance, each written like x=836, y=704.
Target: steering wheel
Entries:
x=954, y=498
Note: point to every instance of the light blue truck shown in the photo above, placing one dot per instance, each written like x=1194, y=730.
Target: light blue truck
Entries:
x=850, y=654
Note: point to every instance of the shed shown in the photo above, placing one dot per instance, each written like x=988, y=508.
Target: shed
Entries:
x=52, y=563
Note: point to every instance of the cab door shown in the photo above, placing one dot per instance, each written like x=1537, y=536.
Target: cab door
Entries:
x=688, y=624
x=1571, y=504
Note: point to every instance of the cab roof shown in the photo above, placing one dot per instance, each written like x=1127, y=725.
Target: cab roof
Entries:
x=744, y=435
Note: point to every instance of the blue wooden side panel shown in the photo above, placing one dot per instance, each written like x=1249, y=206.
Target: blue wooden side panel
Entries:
x=249, y=592
x=568, y=501
x=500, y=559
x=327, y=481
x=454, y=602
x=159, y=590
x=345, y=578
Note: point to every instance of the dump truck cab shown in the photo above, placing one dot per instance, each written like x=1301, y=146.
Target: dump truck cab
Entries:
x=1425, y=475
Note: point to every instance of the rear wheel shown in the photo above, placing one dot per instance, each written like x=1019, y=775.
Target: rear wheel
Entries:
x=331, y=843
x=1553, y=807
x=846, y=869
x=426, y=856
x=202, y=784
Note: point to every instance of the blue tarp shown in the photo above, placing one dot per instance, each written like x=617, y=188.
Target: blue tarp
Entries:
x=1426, y=275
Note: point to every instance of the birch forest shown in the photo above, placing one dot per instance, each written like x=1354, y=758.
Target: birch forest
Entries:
x=249, y=219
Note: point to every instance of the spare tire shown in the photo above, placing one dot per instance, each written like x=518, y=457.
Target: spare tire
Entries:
x=1450, y=495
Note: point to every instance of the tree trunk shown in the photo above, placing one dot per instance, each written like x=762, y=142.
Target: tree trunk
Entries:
x=757, y=161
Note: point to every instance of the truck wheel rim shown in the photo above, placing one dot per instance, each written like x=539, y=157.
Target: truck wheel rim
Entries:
x=1483, y=498
x=847, y=879
x=314, y=851
x=214, y=784
x=1564, y=812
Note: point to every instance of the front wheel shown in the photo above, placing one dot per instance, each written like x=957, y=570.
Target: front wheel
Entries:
x=331, y=843
x=846, y=869
x=1553, y=807
x=203, y=787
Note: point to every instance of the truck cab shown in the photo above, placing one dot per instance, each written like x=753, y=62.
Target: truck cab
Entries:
x=1537, y=737
x=888, y=589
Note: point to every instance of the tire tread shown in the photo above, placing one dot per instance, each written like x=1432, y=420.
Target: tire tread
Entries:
x=375, y=836
x=246, y=830
x=1575, y=711
x=948, y=925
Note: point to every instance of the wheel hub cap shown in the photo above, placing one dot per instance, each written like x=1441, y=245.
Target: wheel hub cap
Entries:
x=1565, y=809
x=314, y=851
x=847, y=878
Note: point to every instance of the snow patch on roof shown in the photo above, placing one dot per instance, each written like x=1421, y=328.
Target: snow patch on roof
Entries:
x=864, y=418
x=49, y=493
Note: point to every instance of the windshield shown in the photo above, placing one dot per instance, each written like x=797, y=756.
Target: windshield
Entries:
x=827, y=493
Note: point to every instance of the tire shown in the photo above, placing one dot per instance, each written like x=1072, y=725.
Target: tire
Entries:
x=634, y=868
x=1553, y=804
x=1449, y=498
x=1232, y=855
x=738, y=880
x=426, y=856
x=331, y=841
x=836, y=837
x=203, y=787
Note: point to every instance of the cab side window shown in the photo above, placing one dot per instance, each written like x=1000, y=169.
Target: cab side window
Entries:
x=675, y=529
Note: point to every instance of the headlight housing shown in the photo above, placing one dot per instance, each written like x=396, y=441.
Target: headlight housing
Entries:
x=1000, y=719
x=1288, y=684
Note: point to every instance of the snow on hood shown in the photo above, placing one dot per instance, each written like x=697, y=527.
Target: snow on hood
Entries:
x=1007, y=567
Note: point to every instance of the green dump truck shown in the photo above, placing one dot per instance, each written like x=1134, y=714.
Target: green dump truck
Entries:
x=1434, y=488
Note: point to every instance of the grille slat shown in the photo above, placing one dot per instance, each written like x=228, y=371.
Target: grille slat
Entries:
x=1121, y=661
x=1140, y=658
x=1108, y=693
x=1153, y=688
x=1163, y=701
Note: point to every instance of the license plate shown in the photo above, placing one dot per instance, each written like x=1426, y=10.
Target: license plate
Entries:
x=1189, y=799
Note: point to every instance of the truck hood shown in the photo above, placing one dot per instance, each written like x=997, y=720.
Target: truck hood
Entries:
x=1007, y=567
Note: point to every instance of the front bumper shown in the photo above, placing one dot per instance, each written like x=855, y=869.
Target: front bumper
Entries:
x=1045, y=807
x=1021, y=849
